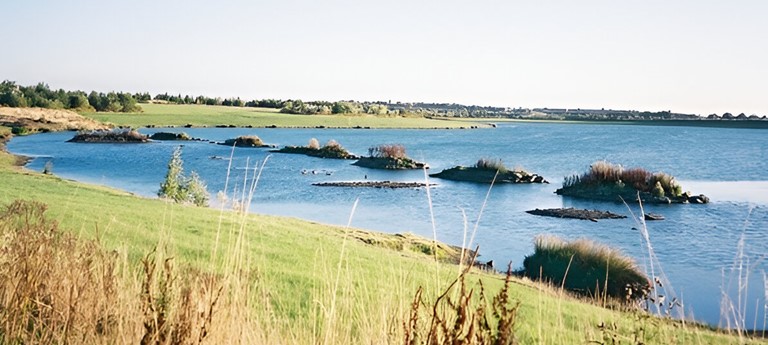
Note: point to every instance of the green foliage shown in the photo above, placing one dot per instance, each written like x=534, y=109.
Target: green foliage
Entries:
x=658, y=190
x=42, y=96
x=182, y=189
x=173, y=185
x=195, y=190
x=584, y=266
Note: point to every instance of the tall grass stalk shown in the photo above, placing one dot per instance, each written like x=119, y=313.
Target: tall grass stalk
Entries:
x=434, y=227
x=331, y=317
x=222, y=206
x=479, y=215
x=660, y=281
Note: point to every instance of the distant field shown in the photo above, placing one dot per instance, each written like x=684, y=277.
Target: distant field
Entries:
x=680, y=123
x=161, y=115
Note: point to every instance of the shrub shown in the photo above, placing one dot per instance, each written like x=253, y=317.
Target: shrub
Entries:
x=314, y=144
x=491, y=164
x=179, y=188
x=120, y=135
x=587, y=264
x=391, y=151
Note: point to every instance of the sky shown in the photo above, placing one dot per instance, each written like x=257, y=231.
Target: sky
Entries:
x=697, y=57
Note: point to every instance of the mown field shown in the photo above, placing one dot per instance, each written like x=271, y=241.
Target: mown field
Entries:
x=302, y=282
x=161, y=115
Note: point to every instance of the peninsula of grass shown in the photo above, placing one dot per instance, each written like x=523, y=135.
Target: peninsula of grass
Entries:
x=115, y=268
x=332, y=149
x=246, y=141
x=190, y=115
x=489, y=171
x=120, y=136
x=389, y=157
x=611, y=182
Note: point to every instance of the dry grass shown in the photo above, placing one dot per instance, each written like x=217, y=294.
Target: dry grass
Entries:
x=391, y=151
x=602, y=172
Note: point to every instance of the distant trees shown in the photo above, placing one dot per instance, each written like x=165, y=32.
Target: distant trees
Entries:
x=41, y=95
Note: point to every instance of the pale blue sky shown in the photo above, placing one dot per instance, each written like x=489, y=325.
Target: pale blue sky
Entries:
x=686, y=56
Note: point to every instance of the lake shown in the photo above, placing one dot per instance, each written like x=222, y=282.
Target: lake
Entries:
x=697, y=245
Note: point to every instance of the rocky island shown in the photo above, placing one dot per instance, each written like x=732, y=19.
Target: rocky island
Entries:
x=611, y=182
x=390, y=157
x=488, y=171
x=332, y=149
x=246, y=141
x=121, y=135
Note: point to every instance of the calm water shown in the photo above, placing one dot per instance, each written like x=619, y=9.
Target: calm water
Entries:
x=696, y=245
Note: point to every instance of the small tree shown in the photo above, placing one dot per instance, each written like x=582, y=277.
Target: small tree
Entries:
x=179, y=188
x=195, y=190
x=171, y=188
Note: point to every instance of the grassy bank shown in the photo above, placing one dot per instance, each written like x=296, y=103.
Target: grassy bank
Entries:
x=161, y=115
x=312, y=283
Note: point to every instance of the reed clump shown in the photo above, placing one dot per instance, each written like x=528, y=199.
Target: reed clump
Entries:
x=389, y=156
x=491, y=165
x=607, y=181
x=586, y=267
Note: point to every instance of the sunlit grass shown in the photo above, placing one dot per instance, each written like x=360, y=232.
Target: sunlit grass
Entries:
x=203, y=115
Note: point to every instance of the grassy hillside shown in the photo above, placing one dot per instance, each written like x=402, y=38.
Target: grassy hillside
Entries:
x=308, y=282
x=204, y=115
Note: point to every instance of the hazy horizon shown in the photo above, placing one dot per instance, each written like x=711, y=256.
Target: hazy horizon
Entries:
x=698, y=57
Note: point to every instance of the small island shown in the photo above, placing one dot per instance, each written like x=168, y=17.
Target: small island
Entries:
x=167, y=136
x=374, y=184
x=611, y=182
x=120, y=136
x=246, y=141
x=488, y=171
x=332, y=149
x=575, y=213
x=390, y=157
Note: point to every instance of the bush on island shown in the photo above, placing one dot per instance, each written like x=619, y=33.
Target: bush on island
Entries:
x=120, y=135
x=488, y=170
x=245, y=141
x=390, y=156
x=332, y=149
x=612, y=182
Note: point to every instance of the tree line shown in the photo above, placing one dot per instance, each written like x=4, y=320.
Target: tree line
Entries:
x=42, y=96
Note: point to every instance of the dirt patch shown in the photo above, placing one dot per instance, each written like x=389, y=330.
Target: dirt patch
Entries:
x=31, y=120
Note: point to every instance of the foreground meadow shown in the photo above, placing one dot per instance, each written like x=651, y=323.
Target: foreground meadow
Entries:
x=104, y=266
x=209, y=116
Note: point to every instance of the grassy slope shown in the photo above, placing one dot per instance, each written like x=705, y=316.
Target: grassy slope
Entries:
x=298, y=260
x=203, y=115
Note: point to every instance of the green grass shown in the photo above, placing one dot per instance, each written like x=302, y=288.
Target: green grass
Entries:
x=163, y=115
x=298, y=263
